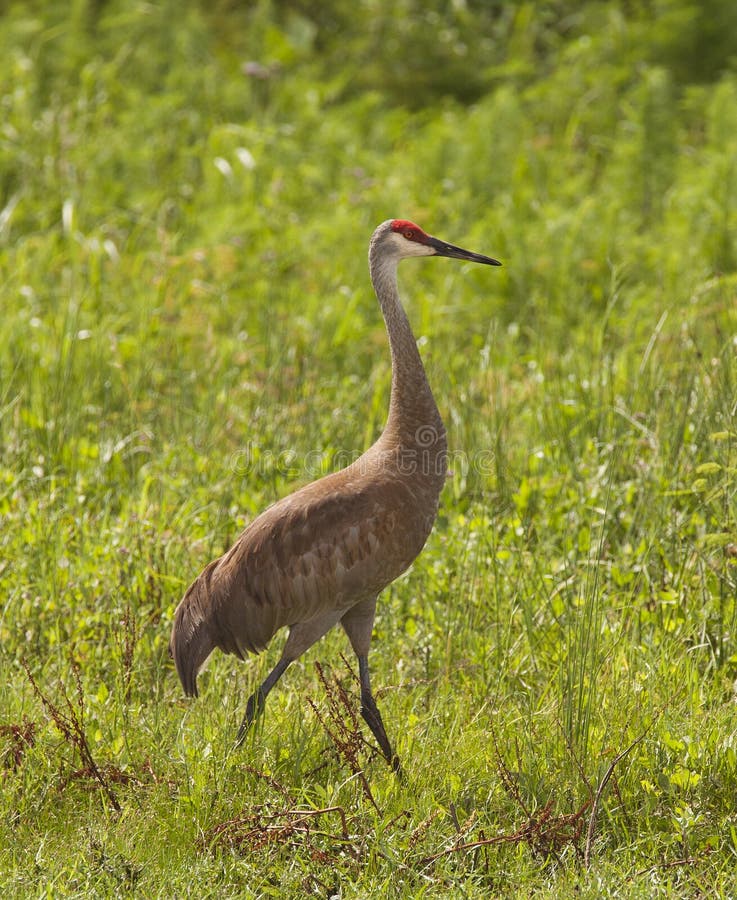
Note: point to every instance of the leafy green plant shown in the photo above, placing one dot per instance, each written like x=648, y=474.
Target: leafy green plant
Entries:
x=188, y=332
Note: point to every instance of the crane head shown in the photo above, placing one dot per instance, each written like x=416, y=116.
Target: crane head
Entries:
x=410, y=240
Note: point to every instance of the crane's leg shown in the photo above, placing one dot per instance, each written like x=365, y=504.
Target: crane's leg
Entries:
x=256, y=701
x=358, y=624
x=372, y=716
x=301, y=637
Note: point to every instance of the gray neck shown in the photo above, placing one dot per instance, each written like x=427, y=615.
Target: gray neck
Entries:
x=414, y=419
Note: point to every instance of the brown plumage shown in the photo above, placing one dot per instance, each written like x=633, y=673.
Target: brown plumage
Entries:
x=322, y=554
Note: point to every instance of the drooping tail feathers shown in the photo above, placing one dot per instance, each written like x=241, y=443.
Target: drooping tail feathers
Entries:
x=192, y=638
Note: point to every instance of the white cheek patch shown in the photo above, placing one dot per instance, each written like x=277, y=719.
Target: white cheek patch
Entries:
x=410, y=248
x=415, y=249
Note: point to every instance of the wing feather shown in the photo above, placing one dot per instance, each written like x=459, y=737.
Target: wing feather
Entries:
x=325, y=547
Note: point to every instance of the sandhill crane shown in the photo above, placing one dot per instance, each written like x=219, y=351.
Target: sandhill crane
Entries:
x=322, y=554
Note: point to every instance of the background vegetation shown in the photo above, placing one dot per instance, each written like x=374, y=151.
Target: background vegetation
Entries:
x=188, y=331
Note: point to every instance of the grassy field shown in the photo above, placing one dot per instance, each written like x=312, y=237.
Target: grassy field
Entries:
x=188, y=332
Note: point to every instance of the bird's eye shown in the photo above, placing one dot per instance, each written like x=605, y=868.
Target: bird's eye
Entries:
x=409, y=234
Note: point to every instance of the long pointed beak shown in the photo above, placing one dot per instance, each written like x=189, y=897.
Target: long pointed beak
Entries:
x=443, y=249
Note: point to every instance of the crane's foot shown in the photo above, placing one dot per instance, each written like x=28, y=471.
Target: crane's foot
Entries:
x=372, y=717
x=254, y=708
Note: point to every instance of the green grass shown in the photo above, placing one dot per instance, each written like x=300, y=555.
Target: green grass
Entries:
x=188, y=332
